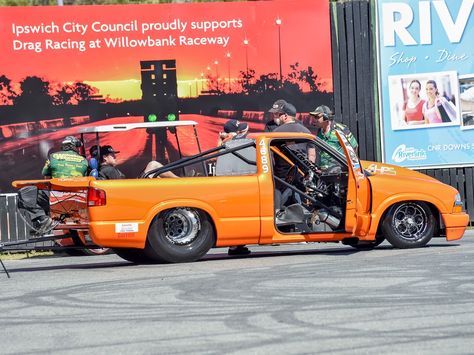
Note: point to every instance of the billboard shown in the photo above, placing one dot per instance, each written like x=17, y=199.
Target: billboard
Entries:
x=67, y=67
x=426, y=79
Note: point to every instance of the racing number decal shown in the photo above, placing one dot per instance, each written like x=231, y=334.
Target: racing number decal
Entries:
x=264, y=156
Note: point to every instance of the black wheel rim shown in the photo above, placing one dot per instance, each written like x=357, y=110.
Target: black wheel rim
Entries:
x=410, y=221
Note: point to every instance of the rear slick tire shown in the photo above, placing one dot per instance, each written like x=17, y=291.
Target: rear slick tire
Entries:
x=409, y=225
x=137, y=256
x=180, y=235
x=82, y=249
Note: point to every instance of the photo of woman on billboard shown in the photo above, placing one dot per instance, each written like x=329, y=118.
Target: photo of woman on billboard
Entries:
x=437, y=109
x=412, y=112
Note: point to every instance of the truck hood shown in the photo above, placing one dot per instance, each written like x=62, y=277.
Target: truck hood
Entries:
x=377, y=168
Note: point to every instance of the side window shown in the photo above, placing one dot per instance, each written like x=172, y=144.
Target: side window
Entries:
x=307, y=153
x=352, y=154
x=237, y=162
x=328, y=159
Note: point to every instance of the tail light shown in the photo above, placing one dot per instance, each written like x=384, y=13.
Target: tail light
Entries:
x=95, y=197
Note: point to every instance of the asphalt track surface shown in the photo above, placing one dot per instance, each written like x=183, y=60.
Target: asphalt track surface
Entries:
x=287, y=299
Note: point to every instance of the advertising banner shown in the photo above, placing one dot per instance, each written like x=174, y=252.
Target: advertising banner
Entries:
x=63, y=68
x=426, y=68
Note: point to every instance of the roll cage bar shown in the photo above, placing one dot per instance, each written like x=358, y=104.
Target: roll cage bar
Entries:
x=169, y=125
x=201, y=157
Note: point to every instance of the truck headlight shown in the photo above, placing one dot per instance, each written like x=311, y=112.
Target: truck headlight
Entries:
x=457, y=208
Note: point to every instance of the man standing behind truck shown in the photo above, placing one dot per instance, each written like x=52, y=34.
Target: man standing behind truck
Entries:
x=324, y=120
x=284, y=117
x=67, y=162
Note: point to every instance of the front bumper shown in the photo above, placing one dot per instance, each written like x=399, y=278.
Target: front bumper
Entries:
x=456, y=224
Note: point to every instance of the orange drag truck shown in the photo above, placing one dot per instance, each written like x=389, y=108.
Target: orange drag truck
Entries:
x=262, y=190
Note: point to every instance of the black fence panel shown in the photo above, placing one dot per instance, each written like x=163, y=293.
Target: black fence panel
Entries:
x=354, y=72
x=461, y=179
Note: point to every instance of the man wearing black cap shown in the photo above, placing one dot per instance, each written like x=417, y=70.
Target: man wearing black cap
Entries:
x=324, y=120
x=108, y=165
x=233, y=129
x=284, y=116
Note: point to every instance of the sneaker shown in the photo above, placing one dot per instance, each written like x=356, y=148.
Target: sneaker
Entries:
x=44, y=224
x=239, y=250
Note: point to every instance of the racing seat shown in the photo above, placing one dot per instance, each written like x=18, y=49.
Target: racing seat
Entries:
x=231, y=164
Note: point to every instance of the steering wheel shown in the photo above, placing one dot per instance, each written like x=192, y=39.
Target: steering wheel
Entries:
x=291, y=174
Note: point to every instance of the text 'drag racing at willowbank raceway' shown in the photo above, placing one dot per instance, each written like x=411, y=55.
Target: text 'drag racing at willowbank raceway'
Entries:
x=261, y=189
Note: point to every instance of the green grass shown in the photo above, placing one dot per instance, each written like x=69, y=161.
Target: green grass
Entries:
x=15, y=255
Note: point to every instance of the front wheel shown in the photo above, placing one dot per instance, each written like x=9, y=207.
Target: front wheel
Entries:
x=180, y=235
x=363, y=245
x=409, y=224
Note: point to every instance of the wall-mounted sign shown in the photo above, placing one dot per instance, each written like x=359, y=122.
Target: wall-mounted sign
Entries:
x=426, y=77
x=65, y=67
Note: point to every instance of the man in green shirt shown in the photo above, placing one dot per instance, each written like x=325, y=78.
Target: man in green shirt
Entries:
x=34, y=203
x=67, y=162
x=324, y=120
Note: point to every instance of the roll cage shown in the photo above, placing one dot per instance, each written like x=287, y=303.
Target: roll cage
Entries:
x=151, y=127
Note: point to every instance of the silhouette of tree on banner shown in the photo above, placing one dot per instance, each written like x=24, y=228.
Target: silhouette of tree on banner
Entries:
x=73, y=94
x=297, y=81
x=34, y=94
x=267, y=83
x=82, y=92
x=246, y=79
x=304, y=77
x=63, y=95
x=6, y=91
x=214, y=85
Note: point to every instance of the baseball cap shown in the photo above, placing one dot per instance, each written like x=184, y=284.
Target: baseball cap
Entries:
x=281, y=106
x=71, y=140
x=107, y=150
x=232, y=126
x=322, y=110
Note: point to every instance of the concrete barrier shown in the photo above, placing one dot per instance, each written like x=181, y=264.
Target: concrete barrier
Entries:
x=227, y=113
x=257, y=116
x=76, y=120
x=16, y=129
x=55, y=123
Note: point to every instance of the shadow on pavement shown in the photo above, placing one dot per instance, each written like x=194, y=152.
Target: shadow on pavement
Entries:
x=216, y=256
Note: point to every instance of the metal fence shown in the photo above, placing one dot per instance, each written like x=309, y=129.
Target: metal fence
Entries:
x=12, y=226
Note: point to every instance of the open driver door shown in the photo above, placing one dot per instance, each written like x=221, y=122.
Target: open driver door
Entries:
x=359, y=193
